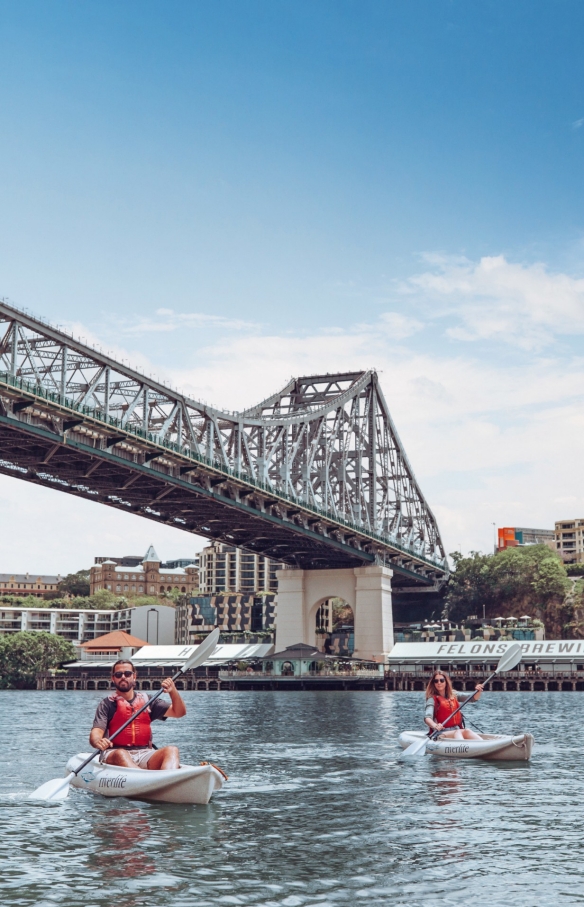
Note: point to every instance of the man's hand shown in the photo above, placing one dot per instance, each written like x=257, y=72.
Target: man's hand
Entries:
x=177, y=709
x=98, y=739
x=103, y=744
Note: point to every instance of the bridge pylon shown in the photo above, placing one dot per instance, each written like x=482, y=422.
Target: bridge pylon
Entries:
x=366, y=589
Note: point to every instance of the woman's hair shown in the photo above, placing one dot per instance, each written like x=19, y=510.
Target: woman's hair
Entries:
x=431, y=688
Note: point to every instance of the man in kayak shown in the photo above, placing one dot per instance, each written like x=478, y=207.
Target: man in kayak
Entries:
x=441, y=701
x=133, y=747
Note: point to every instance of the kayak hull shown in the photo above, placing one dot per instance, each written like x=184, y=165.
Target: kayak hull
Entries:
x=504, y=747
x=188, y=784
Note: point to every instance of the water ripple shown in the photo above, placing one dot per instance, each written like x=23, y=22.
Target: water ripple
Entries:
x=318, y=810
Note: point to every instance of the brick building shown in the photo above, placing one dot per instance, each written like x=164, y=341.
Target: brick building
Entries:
x=23, y=584
x=131, y=576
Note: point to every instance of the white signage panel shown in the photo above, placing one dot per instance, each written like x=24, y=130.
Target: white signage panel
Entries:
x=475, y=650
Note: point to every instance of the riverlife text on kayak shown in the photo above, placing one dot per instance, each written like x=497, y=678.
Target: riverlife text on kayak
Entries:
x=507, y=662
x=58, y=788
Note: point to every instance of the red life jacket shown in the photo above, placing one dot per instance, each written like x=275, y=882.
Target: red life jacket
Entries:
x=445, y=707
x=139, y=732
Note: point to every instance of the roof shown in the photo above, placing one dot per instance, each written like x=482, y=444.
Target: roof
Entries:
x=161, y=656
x=116, y=640
x=29, y=578
x=151, y=556
x=299, y=650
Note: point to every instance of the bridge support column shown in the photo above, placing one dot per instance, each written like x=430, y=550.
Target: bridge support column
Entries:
x=373, y=612
x=366, y=589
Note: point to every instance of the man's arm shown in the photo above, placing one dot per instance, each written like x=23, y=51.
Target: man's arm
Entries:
x=177, y=707
x=97, y=737
x=98, y=740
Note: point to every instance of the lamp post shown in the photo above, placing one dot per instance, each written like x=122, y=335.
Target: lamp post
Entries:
x=494, y=538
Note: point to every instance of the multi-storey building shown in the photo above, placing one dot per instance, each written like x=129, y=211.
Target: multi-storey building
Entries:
x=517, y=537
x=131, y=576
x=570, y=540
x=154, y=625
x=23, y=584
x=224, y=568
x=235, y=615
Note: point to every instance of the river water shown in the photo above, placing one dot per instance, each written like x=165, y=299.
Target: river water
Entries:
x=318, y=809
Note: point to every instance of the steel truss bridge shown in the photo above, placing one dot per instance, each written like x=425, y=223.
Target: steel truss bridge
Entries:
x=315, y=476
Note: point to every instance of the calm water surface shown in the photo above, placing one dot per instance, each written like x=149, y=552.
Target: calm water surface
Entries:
x=318, y=810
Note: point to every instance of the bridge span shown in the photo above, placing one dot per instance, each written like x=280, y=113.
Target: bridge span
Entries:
x=315, y=476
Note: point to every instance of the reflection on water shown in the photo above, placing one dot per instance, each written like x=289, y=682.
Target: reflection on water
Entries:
x=318, y=809
x=118, y=836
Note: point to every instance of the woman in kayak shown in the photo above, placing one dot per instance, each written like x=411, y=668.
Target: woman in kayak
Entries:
x=441, y=701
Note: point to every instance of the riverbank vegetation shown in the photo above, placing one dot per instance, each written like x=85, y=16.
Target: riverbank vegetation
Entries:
x=530, y=580
x=104, y=600
x=23, y=655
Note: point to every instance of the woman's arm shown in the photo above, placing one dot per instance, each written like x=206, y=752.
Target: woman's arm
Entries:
x=429, y=716
x=464, y=697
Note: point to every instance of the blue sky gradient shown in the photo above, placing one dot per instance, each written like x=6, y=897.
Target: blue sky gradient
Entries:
x=229, y=192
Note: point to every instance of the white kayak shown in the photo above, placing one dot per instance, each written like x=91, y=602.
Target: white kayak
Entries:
x=187, y=784
x=490, y=746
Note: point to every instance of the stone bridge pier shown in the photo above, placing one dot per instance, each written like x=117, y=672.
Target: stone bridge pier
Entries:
x=366, y=589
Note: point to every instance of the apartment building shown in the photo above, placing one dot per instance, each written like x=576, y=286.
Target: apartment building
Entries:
x=224, y=568
x=570, y=540
x=154, y=625
x=235, y=615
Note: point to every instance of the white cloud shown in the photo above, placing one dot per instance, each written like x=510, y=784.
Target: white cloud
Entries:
x=577, y=124
x=494, y=299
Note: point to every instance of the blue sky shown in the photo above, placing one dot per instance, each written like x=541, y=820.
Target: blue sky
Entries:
x=231, y=192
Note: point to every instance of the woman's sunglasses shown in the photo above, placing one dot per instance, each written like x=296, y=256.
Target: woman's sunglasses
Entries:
x=118, y=674
x=436, y=680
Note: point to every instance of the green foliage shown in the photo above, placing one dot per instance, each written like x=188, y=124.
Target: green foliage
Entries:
x=104, y=600
x=75, y=584
x=23, y=655
x=516, y=581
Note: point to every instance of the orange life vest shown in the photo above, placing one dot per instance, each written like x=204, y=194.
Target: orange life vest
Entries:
x=443, y=708
x=139, y=732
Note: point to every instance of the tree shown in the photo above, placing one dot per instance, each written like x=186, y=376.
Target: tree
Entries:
x=530, y=579
x=23, y=655
x=75, y=584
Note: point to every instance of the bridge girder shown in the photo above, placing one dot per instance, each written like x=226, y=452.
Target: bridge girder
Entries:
x=318, y=466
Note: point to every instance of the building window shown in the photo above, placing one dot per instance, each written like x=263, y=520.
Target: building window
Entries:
x=118, y=588
x=126, y=587
x=108, y=587
x=152, y=588
x=140, y=588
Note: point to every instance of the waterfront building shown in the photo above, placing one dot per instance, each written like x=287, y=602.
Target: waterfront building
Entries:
x=515, y=537
x=235, y=615
x=111, y=647
x=24, y=584
x=153, y=624
x=130, y=576
x=224, y=568
x=569, y=538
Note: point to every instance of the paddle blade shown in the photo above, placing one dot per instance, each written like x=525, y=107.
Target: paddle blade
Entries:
x=417, y=748
x=510, y=659
x=55, y=789
x=203, y=652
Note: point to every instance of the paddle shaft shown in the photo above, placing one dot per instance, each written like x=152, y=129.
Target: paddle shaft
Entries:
x=461, y=706
x=126, y=723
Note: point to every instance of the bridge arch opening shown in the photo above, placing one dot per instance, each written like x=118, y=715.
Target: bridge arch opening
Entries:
x=334, y=627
